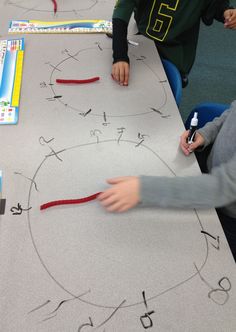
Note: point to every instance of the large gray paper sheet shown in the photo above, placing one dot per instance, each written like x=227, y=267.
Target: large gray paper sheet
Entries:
x=78, y=267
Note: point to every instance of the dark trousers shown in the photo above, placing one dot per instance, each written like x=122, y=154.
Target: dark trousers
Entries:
x=228, y=223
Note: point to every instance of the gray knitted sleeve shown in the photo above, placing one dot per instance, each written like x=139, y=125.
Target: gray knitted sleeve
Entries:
x=217, y=189
x=211, y=129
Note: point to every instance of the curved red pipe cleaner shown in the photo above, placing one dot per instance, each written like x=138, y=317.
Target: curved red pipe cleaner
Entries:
x=55, y=6
x=88, y=80
x=69, y=201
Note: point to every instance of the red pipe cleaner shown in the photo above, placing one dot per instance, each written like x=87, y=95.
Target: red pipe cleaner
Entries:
x=88, y=80
x=69, y=201
x=55, y=6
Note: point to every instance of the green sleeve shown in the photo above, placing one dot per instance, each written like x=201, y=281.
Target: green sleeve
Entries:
x=124, y=9
x=215, y=10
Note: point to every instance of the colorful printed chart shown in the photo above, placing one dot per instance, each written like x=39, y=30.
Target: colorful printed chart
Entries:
x=11, y=64
x=76, y=26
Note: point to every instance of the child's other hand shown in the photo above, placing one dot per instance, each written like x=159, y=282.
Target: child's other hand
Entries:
x=120, y=72
x=122, y=195
x=188, y=148
x=230, y=18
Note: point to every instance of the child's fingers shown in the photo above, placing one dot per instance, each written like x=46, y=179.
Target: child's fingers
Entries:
x=117, y=179
x=186, y=151
x=126, y=77
x=109, y=201
x=116, y=207
x=106, y=194
x=183, y=138
x=183, y=143
x=121, y=76
x=193, y=146
x=123, y=208
x=230, y=25
x=115, y=74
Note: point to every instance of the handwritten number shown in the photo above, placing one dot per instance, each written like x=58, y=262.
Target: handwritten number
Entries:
x=146, y=320
x=222, y=290
x=17, y=210
x=217, y=239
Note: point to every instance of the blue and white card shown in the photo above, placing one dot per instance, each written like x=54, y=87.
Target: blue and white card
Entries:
x=11, y=64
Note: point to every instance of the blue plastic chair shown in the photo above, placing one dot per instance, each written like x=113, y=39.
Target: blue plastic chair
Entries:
x=174, y=79
x=206, y=112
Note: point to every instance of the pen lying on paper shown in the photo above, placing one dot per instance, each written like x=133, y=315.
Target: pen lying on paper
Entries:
x=131, y=42
x=193, y=128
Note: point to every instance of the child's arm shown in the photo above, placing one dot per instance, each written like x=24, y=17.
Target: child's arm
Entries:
x=120, y=20
x=125, y=191
x=217, y=189
x=120, y=67
x=212, y=128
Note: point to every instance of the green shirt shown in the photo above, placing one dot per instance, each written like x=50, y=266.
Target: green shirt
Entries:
x=173, y=25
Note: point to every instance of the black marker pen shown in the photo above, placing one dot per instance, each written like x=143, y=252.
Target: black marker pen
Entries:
x=193, y=128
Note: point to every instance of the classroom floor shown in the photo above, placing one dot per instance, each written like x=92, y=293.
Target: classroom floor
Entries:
x=213, y=75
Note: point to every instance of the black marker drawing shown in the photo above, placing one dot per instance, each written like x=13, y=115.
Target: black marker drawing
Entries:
x=141, y=137
x=218, y=295
x=55, y=153
x=44, y=141
x=85, y=325
x=17, y=210
x=112, y=314
x=86, y=113
x=39, y=307
x=68, y=300
x=62, y=8
x=105, y=123
x=95, y=133
x=120, y=132
x=146, y=319
x=86, y=96
x=217, y=239
x=48, y=318
x=159, y=112
x=35, y=184
x=223, y=289
x=43, y=84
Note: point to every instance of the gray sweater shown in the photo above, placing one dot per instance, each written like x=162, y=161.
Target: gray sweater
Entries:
x=216, y=189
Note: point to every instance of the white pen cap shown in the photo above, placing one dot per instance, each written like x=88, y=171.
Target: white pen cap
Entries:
x=194, y=120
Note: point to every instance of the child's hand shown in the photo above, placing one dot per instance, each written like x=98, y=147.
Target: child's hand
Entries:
x=120, y=72
x=188, y=148
x=122, y=196
x=230, y=18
